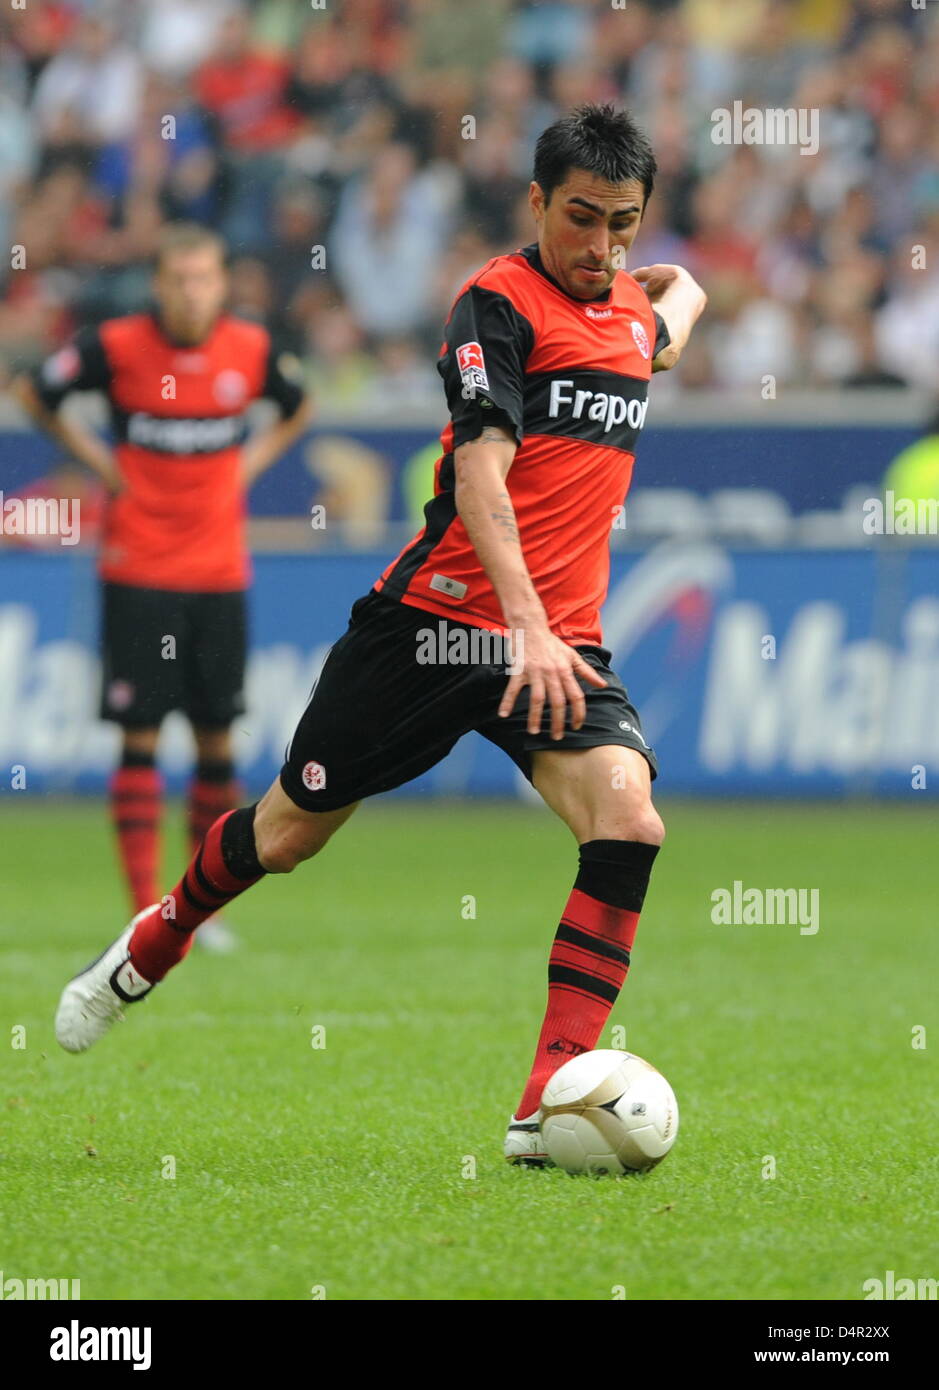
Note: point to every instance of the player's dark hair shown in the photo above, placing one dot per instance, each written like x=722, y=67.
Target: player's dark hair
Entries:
x=599, y=139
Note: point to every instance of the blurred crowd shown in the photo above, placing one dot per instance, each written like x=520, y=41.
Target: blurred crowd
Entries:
x=363, y=157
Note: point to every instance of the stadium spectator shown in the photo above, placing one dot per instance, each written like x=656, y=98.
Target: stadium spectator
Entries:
x=90, y=91
x=177, y=36
x=347, y=128
x=391, y=225
x=17, y=160
x=244, y=89
x=341, y=370
x=907, y=327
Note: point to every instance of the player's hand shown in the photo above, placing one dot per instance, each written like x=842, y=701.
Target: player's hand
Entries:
x=549, y=668
x=655, y=279
x=104, y=464
x=679, y=301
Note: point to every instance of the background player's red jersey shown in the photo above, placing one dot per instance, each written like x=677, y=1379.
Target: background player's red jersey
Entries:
x=178, y=413
x=570, y=378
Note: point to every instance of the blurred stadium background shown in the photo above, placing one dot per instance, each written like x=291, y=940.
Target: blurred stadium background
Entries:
x=777, y=653
x=332, y=149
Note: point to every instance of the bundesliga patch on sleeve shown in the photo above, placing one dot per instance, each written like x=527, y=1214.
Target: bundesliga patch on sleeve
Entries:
x=469, y=359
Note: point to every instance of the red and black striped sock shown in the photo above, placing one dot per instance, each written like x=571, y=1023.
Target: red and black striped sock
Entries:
x=136, y=800
x=213, y=790
x=225, y=864
x=590, y=957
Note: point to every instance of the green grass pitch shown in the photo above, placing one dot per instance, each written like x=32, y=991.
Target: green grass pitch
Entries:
x=371, y=1168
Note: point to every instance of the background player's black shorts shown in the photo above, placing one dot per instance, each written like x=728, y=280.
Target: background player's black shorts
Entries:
x=377, y=717
x=204, y=679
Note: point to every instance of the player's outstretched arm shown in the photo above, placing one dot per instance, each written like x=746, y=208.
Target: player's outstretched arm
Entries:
x=542, y=660
x=264, y=448
x=679, y=299
x=77, y=441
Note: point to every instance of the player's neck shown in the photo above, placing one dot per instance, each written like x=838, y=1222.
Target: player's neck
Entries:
x=180, y=337
x=536, y=260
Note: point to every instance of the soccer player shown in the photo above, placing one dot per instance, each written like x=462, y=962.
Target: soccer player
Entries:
x=546, y=362
x=172, y=560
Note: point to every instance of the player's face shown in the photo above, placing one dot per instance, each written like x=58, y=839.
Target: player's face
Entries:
x=586, y=230
x=190, y=288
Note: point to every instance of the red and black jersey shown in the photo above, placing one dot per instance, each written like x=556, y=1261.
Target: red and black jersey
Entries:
x=570, y=378
x=178, y=414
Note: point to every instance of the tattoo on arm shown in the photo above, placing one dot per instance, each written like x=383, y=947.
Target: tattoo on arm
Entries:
x=505, y=519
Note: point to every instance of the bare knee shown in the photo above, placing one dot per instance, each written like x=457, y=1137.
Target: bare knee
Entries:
x=600, y=793
x=142, y=742
x=212, y=745
x=647, y=826
x=632, y=818
x=629, y=813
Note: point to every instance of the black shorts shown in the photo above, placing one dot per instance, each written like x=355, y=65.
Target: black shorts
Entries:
x=378, y=718
x=163, y=651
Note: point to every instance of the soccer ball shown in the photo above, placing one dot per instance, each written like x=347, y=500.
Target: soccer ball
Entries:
x=608, y=1112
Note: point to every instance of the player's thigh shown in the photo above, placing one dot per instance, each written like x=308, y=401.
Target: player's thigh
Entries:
x=377, y=717
x=212, y=653
x=140, y=684
x=601, y=793
x=285, y=834
x=596, y=778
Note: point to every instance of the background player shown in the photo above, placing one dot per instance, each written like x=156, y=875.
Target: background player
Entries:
x=546, y=362
x=173, y=561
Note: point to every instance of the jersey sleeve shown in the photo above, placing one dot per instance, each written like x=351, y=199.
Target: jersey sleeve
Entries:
x=662, y=335
x=483, y=363
x=281, y=381
x=82, y=365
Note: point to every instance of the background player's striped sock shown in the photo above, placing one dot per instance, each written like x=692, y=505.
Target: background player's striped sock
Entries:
x=590, y=957
x=213, y=790
x=225, y=864
x=136, y=800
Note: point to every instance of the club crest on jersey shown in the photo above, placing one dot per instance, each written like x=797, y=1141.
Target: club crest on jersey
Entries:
x=120, y=695
x=641, y=337
x=230, y=388
x=469, y=359
x=314, y=777
x=62, y=366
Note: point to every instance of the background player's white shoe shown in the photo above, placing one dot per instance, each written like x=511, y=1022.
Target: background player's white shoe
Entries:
x=93, y=1000
x=524, y=1144
x=217, y=936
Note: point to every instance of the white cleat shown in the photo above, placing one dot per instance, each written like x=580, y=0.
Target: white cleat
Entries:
x=216, y=936
x=524, y=1144
x=93, y=1000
